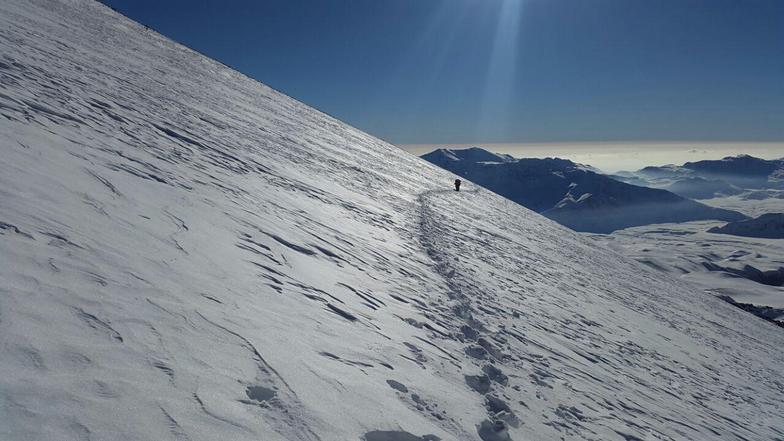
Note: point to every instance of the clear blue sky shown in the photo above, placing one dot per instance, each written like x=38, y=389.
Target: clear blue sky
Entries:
x=474, y=71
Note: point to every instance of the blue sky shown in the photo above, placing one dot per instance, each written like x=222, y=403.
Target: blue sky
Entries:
x=505, y=71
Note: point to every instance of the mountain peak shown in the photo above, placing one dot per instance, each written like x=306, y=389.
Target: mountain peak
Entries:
x=472, y=154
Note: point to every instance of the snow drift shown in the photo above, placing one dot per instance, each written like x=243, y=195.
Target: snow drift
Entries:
x=188, y=254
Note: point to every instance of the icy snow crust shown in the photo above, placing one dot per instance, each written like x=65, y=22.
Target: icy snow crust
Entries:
x=187, y=254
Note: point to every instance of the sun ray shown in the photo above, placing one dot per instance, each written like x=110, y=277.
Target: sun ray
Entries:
x=501, y=71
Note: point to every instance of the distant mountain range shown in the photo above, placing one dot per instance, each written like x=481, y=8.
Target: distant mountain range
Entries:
x=572, y=194
x=711, y=178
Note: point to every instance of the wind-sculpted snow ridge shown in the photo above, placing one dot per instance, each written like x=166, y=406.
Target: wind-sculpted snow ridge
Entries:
x=189, y=255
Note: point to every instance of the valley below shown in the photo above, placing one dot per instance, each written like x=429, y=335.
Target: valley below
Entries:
x=747, y=270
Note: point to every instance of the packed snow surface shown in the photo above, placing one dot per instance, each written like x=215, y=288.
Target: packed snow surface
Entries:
x=190, y=255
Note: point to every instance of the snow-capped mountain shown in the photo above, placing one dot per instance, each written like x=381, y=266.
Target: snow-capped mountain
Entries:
x=743, y=169
x=712, y=178
x=573, y=194
x=444, y=157
x=189, y=255
x=769, y=225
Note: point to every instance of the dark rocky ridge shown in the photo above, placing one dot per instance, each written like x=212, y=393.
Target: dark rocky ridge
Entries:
x=769, y=226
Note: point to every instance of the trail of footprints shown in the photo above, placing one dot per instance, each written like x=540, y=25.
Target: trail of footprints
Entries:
x=491, y=383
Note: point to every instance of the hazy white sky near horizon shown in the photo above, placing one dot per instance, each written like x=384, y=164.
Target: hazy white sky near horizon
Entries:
x=615, y=156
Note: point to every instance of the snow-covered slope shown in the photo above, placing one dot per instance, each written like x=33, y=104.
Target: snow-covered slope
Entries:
x=573, y=194
x=187, y=254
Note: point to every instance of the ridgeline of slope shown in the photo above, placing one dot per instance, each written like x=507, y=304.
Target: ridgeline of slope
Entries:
x=573, y=194
x=191, y=255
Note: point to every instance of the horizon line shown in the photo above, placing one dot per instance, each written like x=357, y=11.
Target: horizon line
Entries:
x=584, y=142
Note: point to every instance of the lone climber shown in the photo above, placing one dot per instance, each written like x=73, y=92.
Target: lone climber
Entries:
x=457, y=184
